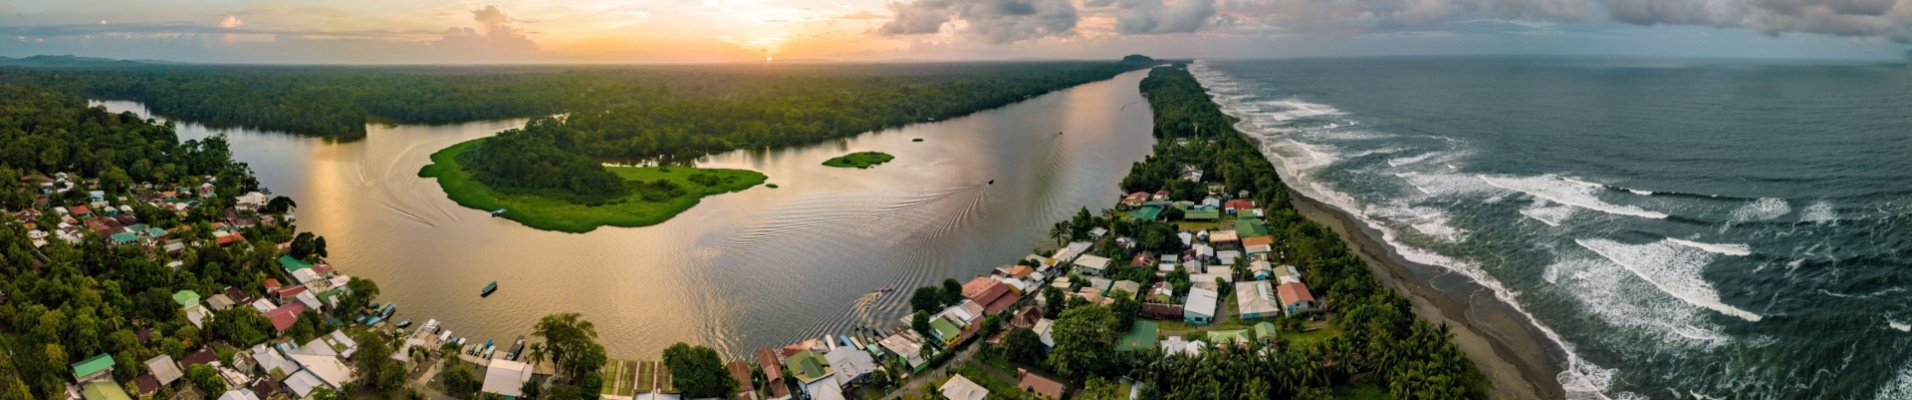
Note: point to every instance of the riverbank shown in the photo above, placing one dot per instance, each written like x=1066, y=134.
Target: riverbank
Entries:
x=556, y=215
x=1506, y=347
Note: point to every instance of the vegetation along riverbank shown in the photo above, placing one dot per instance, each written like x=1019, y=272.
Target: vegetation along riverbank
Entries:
x=863, y=159
x=624, y=196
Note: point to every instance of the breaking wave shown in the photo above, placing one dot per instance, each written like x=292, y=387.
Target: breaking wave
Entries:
x=1673, y=268
x=1731, y=249
x=1567, y=191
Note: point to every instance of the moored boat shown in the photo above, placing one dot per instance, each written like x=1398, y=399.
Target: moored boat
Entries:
x=492, y=287
x=404, y=324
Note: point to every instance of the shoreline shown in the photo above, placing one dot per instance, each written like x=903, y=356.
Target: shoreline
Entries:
x=1502, y=343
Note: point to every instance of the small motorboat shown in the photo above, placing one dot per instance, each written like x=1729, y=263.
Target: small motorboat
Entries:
x=887, y=288
x=493, y=287
x=404, y=324
x=992, y=181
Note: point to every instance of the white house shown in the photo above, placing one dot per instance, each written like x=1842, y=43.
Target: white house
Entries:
x=505, y=378
x=1200, y=307
x=960, y=388
x=1092, y=264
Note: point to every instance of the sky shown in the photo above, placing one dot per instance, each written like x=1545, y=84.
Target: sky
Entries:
x=704, y=31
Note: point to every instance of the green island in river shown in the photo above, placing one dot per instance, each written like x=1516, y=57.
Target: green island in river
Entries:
x=860, y=160
x=546, y=213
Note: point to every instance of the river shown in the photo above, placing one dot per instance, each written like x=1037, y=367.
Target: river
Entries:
x=762, y=267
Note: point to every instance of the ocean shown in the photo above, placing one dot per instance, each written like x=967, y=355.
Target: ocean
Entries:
x=1679, y=228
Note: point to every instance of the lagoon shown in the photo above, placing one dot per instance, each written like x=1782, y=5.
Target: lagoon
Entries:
x=761, y=267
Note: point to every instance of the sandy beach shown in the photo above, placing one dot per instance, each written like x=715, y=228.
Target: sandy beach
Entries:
x=1518, y=359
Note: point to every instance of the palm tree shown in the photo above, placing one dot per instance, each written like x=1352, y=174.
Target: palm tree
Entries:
x=536, y=355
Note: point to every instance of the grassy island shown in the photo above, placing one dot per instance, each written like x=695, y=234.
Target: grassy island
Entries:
x=631, y=210
x=864, y=159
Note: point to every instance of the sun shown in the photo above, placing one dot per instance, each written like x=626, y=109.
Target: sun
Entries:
x=766, y=59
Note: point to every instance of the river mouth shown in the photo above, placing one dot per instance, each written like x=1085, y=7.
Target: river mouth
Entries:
x=760, y=267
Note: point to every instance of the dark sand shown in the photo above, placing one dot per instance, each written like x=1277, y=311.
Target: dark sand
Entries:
x=1515, y=355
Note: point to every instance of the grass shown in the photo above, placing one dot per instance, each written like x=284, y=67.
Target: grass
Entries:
x=863, y=159
x=1314, y=336
x=557, y=215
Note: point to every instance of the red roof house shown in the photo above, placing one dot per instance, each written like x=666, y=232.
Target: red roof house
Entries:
x=283, y=317
x=1295, y=297
x=1238, y=205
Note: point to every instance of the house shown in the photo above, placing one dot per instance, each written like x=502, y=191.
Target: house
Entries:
x=505, y=378
x=1250, y=228
x=740, y=370
x=1224, y=238
x=186, y=298
x=164, y=370
x=1265, y=332
x=1038, y=385
x=219, y=302
x=1257, y=241
x=1199, y=308
x=1256, y=300
x=1227, y=257
x=1287, y=274
x=853, y=365
x=1261, y=269
x=992, y=294
x=1235, y=336
x=1098, y=232
x=1042, y=329
x=253, y=200
x=284, y=317
x=960, y=388
x=1146, y=213
x=103, y=390
x=1208, y=280
x=945, y=331
x=773, y=373
x=1099, y=284
x=1295, y=298
x=1160, y=195
x=241, y=394
x=98, y=367
x=1132, y=287
x=1093, y=264
x=205, y=357
x=1161, y=311
x=1237, y=205
x=1134, y=200
x=905, y=345
x=1176, y=345
x=808, y=367
x=1143, y=259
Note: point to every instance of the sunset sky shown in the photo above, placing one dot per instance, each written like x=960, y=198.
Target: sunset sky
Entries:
x=681, y=31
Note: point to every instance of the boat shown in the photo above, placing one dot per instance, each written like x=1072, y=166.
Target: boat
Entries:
x=887, y=288
x=498, y=212
x=992, y=181
x=492, y=287
x=403, y=324
x=517, y=348
x=390, y=308
x=374, y=320
x=443, y=336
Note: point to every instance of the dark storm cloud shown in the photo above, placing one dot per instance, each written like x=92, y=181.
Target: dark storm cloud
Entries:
x=992, y=21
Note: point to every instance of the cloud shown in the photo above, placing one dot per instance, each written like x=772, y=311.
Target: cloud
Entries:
x=231, y=22
x=991, y=21
x=1153, y=17
x=1855, y=18
x=496, y=34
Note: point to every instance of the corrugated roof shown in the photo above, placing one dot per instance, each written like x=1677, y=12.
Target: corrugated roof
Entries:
x=93, y=365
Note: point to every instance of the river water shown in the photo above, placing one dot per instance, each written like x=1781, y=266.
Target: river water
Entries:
x=762, y=267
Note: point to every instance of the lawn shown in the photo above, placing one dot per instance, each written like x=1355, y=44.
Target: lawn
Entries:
x=864, y=159
x=557, y=215
x=1297, y=338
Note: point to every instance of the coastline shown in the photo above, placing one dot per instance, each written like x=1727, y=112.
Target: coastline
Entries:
x=1508, y=349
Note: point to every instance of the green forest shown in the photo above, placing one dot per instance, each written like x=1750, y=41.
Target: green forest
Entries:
x=618, y=112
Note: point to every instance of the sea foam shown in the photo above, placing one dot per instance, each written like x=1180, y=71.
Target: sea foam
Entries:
x=1731, y=249
x=1673, y=268
x=1564, y=191
x=1765, y=209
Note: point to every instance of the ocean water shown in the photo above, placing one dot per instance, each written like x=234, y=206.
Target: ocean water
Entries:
x=1681, y=228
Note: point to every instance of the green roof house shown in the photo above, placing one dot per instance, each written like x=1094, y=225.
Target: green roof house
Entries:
x=100, y=366
x=124, y=238
x=808, y=366
x=1265, y=331
x=186, y=298
x=1202, y=215
x=1250, y=228
x=293, y=264
x=945, y=331
x=103, y=390
x=1149, y=213
x=1238, y=336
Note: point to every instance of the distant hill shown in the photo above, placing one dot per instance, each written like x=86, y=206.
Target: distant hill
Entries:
x=1137, y=58
x=62, y=61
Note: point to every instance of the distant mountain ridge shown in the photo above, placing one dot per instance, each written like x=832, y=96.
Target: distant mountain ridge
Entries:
x=63, y=61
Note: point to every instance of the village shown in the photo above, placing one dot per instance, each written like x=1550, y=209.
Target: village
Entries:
x=1226, y=286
